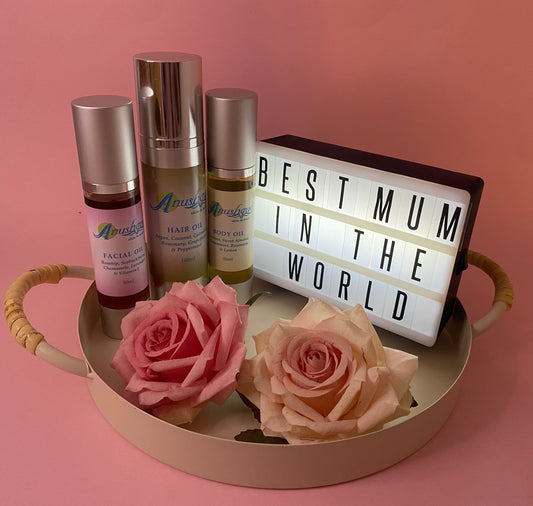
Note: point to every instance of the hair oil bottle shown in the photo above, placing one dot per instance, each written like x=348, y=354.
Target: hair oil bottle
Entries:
x=169, y=96
x=105, y=138
x=231, y=130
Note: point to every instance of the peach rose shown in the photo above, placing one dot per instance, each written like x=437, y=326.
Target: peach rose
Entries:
x=181, y=351
x=325, y=375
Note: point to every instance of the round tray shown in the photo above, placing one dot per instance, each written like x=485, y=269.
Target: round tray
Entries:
x=207, y=447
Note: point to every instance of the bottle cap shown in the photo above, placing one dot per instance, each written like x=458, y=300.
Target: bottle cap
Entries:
x=169, y=96
x=231, y=128
x=105, y=137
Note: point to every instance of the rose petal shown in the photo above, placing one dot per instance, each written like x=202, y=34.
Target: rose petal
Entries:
x=273, y=335
x=133, y=351
x=204, y=363
x=312, y=431
x=263, y=379
x=167, y=303
x=218, y=291
x=345, y=330
x=317, y=360
x=380, y=410
x=163, y=335
x=295, y=382
x=224, y=383
x=152, y=393
x=198, y=324
x=349, y=396
x=191, y=292
x=134, y=317
x=374, y=376
x=229, y=324
x=246, y=385
x=291, y=347
x=151, y=398
x=313, y=313
x=302, y=408
x=402, y=367
x=174, y=370
x=374, y=353
x=298, y=355
x=272, y=419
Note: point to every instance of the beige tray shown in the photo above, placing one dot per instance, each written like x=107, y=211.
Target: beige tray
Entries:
x=207, y=447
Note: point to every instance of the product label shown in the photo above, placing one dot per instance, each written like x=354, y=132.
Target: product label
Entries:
x=176, y=223
x=230, y=229
x=118, y=250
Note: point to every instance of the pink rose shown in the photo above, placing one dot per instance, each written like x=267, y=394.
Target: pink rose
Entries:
x=181, y=351
x=325, y=375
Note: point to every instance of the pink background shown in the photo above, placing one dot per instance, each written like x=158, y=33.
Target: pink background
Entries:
x=445, y=82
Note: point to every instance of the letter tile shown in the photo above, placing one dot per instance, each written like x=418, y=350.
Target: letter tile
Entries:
x=371, y=294
x=287, y=175
x=357, y=246
x=448, y=221
x=418, y=265
x=312, y=185
x=443, y=272
x=426, y=318
x=342, y=189
x=318, y=276
x=304, y=228
x=387, y=255
x=400, y=306
x=270, y=257
x=331, y=235
x=416, y=213
x=265, y=174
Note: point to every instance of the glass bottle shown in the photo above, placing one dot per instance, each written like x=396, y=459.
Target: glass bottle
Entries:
x=105, y=140
x=231, y=128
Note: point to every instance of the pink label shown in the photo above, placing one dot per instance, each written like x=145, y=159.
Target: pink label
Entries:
x=118, y=250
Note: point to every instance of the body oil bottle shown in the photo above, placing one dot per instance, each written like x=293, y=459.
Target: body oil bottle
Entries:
x=105, y=138
x=231, y=131
x=169, y=96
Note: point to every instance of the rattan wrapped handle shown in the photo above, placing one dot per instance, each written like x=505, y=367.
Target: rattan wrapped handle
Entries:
x=22, y=330
x=503, y=291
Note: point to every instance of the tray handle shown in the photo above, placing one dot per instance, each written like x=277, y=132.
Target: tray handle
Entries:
x=503, y=291
x=21, y=329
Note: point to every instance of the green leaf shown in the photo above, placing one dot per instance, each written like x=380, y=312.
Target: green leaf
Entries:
x=257, y=436
x=252, y=406
x=256, y=296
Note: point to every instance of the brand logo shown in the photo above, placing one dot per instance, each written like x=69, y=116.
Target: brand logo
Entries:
x=168, y=202
x=237, y=212
x=108, y=230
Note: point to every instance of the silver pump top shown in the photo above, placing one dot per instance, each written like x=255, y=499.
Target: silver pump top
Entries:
x=169, y=97
x=231, y=128
x=105, y=136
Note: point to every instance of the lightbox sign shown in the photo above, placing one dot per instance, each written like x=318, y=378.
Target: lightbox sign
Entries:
x=350, y=227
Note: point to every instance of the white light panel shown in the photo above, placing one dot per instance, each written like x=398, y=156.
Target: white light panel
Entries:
x=350, y=227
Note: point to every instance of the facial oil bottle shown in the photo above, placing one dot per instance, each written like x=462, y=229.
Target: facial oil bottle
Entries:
x=169, y=96
x=231, y=130
x=105, y=138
